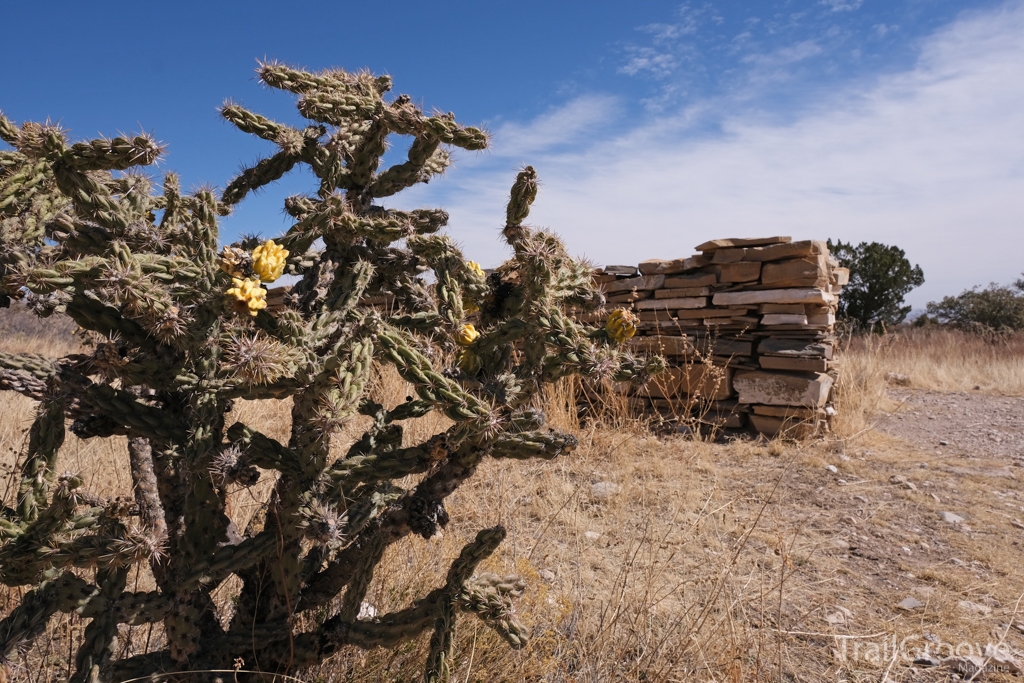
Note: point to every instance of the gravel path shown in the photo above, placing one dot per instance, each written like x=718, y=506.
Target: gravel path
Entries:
x=963, y=423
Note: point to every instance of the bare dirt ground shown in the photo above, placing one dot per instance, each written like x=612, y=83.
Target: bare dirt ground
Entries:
x=965, y=424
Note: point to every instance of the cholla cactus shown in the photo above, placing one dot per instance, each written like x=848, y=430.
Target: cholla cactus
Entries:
x=187, y=333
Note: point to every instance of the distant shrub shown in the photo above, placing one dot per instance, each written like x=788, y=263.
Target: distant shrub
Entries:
x=998, y=308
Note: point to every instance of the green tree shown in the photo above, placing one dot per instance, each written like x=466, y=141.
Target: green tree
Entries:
x=880, y=276
x=997, y=307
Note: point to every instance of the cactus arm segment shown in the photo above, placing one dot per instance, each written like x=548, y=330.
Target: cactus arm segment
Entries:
x=394, y=464
x=262, y=173
x=362, y=574
x=546, y=445
x=147, y=496
x=489, y=596
x=426, y=159
x=8, y=131
x=26, y=373
x=29, y=619
x=524, y=192
x=265, y=452
x=431, y=386
x=255, y=124
x=38, y=472
x=231, y=559
x=442, y=641
x=129, y=411
x=116, y=154
x=424, y=322
x=99, y=635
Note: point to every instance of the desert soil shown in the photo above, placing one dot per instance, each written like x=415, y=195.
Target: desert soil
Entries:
x=914, y=530
x=964, y=424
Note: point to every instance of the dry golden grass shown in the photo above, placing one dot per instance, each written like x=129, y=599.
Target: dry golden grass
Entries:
x=712, y=562
x=942, y=359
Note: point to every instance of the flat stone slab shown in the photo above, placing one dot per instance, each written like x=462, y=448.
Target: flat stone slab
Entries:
x=797, y=364
x=643, y=282
x=669, y=346
x=686, y=302
x=774, y=296
x=795, y=348
x=784, y=319
x=673, y=266
x=742, y=242
x=783, y=389
x=707, y=381
x=778, y=252
x=691, y=280
x=809, y=271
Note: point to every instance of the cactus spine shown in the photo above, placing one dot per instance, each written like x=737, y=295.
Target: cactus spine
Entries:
x=187, y=332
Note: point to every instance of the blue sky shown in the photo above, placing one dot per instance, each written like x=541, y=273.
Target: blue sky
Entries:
x=653, y=125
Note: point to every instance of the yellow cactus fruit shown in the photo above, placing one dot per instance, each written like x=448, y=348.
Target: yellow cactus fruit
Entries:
x=235, y=262
x=469, y=362
x=475, y=267
x=469, y=306
x=268, y=261
x=621, y=325
x=466, y=335
x=247, y=296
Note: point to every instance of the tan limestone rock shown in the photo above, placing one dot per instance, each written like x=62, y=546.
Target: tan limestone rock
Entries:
x=778, y=252
x=728, y=255
x=691, y=280
x=772, y=426
x=840, y=276
x=741, y=242
x=681, y=292
x=794, y=309
x=809, y=271
x=673, y=266
x=795, y=348
x=800, y=295
x=742, y=271
x=664, y=345
x=707, y=381
x=642, y=282
x=770, y=319
x=708, y=313
x=685, y=302
x=629, y=297
x=773, y=388
x=794, y=364
x=789, y=411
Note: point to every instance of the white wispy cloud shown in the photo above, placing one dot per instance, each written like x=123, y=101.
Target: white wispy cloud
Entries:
x=843, y=5
x=789, y=54
x=648, y=59
x=930, y=159
x=572, y=124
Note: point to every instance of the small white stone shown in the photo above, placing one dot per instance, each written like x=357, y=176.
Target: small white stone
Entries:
x=833, y=469
x=910, y=603
x=604, y=490
x=366, y=611
x=968, y=606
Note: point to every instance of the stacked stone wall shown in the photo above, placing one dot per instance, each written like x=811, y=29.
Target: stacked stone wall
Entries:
x=747, y=326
